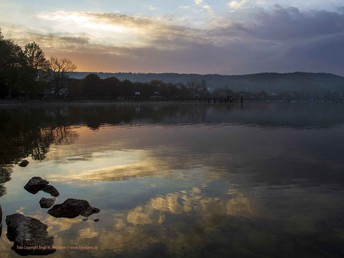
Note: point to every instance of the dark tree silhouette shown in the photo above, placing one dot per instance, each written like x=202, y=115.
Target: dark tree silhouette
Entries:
x=59, y=69
x=35, y=56
x=91, y=86
x=36, y=60
x=23, y=73
x=12, y=66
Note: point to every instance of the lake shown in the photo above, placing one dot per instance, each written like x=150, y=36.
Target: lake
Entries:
x=180, y=179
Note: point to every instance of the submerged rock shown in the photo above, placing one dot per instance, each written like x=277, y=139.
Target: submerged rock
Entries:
x=23, y=163
x=46, y=202
x=29, y=235
x=72, y=208
x=35, y=184
x=51, y=190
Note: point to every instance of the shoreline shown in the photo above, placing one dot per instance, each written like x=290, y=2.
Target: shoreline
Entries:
x=32, y=102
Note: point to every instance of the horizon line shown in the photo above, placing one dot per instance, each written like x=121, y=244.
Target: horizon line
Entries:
x=205, y=74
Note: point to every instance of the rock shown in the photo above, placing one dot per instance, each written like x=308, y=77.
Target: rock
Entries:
x=51, y=190
x=89, y=211
x=46, y=202
x=23, y=163
x=96, y=220
x=35, y=184
x=72, y=208
x=29, y=235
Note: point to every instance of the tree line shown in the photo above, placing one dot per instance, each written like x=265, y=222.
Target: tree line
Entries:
x=26, y=73
x=93, y=87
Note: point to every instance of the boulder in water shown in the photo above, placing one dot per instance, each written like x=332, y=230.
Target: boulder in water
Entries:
x=29, y=235
x=51, y=190
x=23, y=163
x=46, y=202
x=35, y=184
x=72, y=208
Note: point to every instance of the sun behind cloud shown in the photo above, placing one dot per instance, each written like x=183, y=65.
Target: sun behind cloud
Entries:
x=98, y=29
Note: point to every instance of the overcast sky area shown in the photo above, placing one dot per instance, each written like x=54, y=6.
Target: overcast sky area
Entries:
x=183, y=36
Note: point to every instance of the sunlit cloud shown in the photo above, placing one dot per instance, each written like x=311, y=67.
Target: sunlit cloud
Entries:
x=237, y=4
x=118, y=31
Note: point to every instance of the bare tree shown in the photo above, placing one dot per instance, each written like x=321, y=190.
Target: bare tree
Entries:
x=35, y=56
x=59, y=69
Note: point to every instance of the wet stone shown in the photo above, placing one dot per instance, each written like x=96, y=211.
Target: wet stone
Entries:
x=29, y=235
x=72, y=208
x=24, y=163
x=35, y=184
x=46, y=202
x=51, y=190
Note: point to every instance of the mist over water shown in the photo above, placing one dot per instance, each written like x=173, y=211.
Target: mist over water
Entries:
x=181, y=179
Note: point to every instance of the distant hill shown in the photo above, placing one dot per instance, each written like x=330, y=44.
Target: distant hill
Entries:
x=318, y=83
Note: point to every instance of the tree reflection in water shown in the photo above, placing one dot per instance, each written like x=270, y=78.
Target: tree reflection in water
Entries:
x=5, y=175
x=28, y=133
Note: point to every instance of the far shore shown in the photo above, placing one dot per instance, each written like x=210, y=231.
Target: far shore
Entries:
x=33, y=102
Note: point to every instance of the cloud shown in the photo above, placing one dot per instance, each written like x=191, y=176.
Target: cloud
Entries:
x=119, y=30
x=238, y=4
x=205, y=6
x=299, y=40
x=291, y=23
x=151, y=7
x=320, y=54
x=76, y=40
x=280, y=40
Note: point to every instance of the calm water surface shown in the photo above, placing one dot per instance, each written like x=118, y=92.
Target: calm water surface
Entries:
x=181, y=180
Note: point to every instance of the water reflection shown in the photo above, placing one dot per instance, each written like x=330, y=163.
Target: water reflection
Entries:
x=291, y=115
x=182, y=180
x=146, y=228
x=188, y=223
x=5, y=175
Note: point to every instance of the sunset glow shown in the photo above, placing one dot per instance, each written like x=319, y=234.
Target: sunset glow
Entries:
x=198, y=36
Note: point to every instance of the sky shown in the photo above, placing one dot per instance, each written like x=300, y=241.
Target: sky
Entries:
x=183, y=36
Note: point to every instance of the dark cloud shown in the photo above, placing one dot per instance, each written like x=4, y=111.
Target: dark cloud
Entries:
x=283, y=40
x=323, y=54
x=291, y=23
x=117, y=18
x=75, y=40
